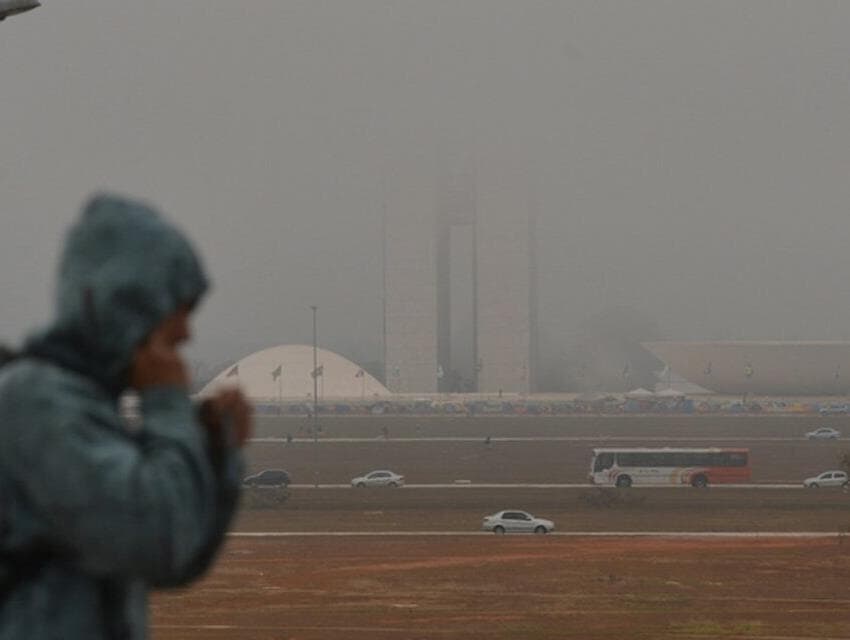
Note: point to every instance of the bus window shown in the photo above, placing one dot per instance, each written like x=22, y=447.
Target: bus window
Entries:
x=702, y=459
x=679, y=459
x=603, y=461
x=737, y=459
x=635, y=459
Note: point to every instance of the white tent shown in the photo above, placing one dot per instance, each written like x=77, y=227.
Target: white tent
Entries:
x=669, y=393
x=639, y=393
x=591, y=396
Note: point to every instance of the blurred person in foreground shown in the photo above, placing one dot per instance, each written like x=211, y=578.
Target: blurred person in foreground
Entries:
x=94, y=514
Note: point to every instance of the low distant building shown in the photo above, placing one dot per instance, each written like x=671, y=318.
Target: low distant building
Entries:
x=286, y=372
x=812, y=368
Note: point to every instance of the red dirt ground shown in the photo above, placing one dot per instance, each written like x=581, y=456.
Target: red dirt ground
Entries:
x=310, y=588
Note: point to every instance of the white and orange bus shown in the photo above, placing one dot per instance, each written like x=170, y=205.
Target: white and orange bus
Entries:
x=644, y=466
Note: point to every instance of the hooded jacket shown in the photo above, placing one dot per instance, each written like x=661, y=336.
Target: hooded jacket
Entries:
x=93, y=514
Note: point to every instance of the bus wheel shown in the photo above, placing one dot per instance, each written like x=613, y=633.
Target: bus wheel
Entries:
x=699, y=481
x=624, y=482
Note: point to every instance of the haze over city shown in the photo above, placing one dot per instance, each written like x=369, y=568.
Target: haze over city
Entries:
x=688, y=160
x=529, y=319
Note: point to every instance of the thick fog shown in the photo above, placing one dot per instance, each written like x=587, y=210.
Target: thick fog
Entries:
x=689, y=161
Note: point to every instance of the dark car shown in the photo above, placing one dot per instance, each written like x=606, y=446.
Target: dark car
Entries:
x=268, y=478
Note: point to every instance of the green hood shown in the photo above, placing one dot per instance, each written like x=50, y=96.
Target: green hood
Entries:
x=123, y=270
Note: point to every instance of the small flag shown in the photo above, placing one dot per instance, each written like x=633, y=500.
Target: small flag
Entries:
x=276, y=373
x=748, y=370
x=625, y=373
x=233, y=372
x=360, y=373
x=318, y=371
x=707, y=370
x=837, y=371
x=440, y=372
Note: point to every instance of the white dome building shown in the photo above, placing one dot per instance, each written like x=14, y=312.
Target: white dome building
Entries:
x=285, y=373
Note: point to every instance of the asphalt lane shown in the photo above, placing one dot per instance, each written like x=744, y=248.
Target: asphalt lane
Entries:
x=471, y=485
x=573, y=534
x=494, y=440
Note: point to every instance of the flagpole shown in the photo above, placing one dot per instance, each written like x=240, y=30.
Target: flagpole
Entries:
x=315, y=374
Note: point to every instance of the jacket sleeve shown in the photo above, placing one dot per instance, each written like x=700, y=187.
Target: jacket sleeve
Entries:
x=228, y=469
x=151, y=507
x=226, y=465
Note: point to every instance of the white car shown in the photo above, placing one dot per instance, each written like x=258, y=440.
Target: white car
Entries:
x=516, y=522
x=827, y=479
x=824, y=433
x=379, y=478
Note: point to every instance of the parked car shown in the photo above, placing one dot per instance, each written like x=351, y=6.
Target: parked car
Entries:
x=268, y=478
x=827, y=479
x=824, y=433
x=516, y=522
x=380, y=478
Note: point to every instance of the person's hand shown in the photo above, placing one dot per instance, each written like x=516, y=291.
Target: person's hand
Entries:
x=230, y=408
x=157, y=362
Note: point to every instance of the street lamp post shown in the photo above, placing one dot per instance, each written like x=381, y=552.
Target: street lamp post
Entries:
x=13, y=7
x=315, y=396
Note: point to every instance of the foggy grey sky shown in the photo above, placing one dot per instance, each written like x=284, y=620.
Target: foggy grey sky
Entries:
x=690, y=159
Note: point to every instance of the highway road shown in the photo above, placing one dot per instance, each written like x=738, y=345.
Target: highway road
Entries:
x=602, y=439
x=487, y=485
x=574, y=534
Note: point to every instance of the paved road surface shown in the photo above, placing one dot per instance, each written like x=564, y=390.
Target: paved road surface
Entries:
x=600, y=438
x=469, y=485
x=575, y=534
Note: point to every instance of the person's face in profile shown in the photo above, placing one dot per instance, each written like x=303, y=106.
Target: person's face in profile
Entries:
x=157, y=361
x=175, y=329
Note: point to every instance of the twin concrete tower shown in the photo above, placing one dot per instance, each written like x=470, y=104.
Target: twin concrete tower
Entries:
x=479, y=220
